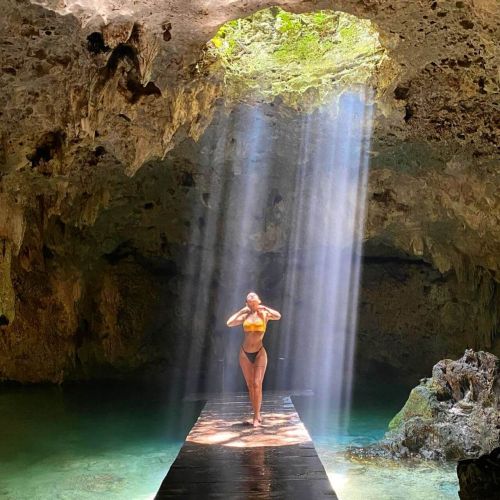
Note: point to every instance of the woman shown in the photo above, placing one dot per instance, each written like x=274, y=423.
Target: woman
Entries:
x=253, y=357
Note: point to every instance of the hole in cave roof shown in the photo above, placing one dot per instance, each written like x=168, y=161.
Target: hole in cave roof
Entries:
x=305, y=59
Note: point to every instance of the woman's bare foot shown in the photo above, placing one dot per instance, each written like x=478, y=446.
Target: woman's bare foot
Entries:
x=256, y=422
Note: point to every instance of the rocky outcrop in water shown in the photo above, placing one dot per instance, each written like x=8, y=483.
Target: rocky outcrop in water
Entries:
x=479, y=478
x=452, y=415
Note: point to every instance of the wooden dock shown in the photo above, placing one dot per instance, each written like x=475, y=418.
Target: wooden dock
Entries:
x=224, y=456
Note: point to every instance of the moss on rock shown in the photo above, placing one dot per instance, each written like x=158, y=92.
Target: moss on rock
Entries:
x=420, y=403
x=304, y=58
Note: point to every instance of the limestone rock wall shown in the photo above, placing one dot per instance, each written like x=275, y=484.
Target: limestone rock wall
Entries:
x=411, y=314
x=101, y=105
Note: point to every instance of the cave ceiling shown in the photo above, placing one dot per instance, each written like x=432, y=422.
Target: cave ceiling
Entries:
x=105, y=86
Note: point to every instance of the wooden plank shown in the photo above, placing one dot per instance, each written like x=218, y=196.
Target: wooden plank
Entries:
x=224, y=456
x=210, y=396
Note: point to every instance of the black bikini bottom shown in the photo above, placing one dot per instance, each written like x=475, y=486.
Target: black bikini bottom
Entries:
x=251, y=355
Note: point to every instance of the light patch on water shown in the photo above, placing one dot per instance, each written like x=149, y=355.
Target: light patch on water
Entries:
x=377, y=479
x=337, y=480
x=389, y=480
x=127, y=473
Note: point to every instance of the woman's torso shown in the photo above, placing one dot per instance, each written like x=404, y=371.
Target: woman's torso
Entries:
x=254, y=327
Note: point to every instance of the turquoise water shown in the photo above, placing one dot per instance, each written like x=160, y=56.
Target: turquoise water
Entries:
x=88, y=442
x=375, y=479
x=117, y=442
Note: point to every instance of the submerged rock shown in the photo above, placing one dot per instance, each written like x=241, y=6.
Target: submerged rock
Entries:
x=480, y=477
x=453, y=415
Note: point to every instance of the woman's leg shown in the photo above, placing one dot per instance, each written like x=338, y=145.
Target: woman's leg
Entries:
x=247, y=368
x=258, y=377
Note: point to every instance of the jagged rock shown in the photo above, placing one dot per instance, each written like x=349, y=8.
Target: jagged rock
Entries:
x=99, y=99
x=455, y=414
x=479, y=478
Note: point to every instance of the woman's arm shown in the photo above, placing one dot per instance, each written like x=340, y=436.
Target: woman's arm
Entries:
x=271, y=313
x=238, y=317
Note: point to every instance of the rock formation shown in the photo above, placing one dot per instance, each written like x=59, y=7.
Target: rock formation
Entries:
x=453, y=415
x=106, y=108
x=480, y=477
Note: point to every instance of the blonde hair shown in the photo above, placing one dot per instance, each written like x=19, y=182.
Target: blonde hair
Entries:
x=249, y=296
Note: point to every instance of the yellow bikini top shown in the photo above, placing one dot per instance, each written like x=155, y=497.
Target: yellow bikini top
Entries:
x=254, y=326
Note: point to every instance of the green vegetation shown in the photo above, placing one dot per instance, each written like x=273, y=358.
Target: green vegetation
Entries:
x=304, y=58
x=421, y=403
